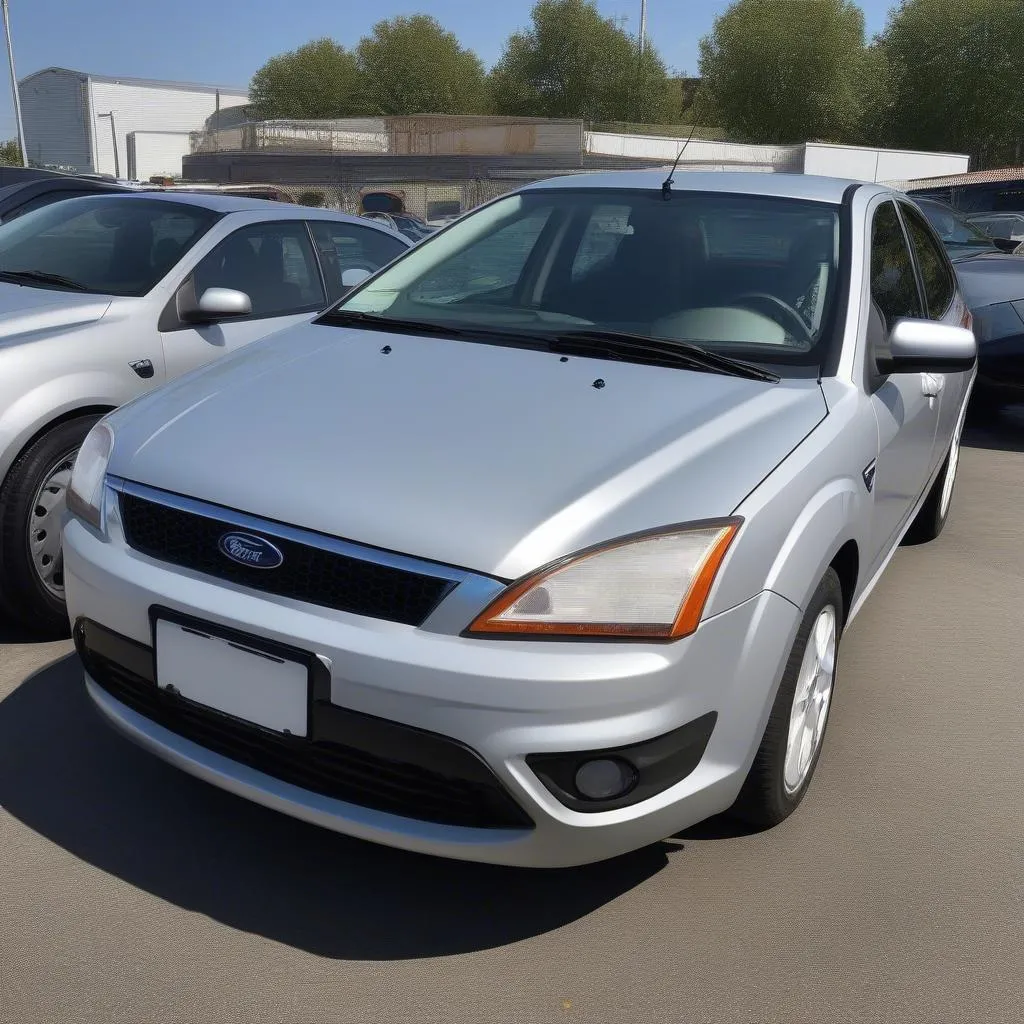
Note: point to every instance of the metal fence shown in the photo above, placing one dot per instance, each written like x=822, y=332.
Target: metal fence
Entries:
x=426, y=199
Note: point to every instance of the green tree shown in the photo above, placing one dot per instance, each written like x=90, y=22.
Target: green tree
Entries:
x=786, y=71
x=411, y=65
x=574, y=63
x=953, y=79
x=319, y=80
x=10, y=153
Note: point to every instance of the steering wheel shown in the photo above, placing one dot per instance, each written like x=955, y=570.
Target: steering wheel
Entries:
x=777, y=305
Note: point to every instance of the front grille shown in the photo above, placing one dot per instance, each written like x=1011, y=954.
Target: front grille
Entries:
x=312, y=574
x=456, y=788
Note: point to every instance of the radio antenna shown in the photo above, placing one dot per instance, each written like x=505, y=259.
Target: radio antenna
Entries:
x=666, y=185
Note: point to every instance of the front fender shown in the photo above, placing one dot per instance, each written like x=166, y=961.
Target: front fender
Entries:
x=823, y=526
x=798, y=518
x=50, y=401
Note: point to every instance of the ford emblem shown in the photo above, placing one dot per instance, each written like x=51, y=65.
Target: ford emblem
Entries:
x=248, y=549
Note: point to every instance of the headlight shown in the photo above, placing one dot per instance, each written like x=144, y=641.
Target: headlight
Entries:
x=85, y=495
x=651, y=586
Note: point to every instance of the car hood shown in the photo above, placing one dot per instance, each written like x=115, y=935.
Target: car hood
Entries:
x=26, y=311
x=491, y=458
x=991, y=278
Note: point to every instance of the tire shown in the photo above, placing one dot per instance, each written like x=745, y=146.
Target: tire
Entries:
x=772, y=791
x=932, y=515
x=27, y=534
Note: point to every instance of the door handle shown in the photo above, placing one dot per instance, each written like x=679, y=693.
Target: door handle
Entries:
x=932, y=384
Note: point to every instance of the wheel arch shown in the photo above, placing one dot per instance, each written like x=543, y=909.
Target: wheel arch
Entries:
x=97, y=409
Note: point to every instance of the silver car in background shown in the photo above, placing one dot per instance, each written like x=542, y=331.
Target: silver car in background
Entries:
x=105, y=297
x=538, y=547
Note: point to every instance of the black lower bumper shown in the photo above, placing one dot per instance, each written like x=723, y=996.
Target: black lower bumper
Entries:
x=350, y=756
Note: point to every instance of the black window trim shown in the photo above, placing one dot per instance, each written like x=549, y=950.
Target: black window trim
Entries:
x=170, y=319
x=902, y=204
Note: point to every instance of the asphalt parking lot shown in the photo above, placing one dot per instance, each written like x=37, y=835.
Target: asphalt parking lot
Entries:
x=130, y=892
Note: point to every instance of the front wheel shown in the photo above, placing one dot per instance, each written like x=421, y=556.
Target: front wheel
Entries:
x=931, y=517
x=32, y=502
x=785, y=762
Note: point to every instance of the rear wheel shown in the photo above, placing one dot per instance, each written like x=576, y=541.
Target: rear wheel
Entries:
x=789, y=751
x=32, y=502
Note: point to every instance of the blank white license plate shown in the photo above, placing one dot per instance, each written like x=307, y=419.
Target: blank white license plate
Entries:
x=232, y=678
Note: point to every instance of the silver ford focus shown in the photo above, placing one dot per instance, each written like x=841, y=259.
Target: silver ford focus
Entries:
x=538, y=547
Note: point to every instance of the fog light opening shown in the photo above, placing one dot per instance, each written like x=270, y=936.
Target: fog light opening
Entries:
x=604, y=778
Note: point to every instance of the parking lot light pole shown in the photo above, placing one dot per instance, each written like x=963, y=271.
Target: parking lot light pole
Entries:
x=14, y=85
x=643, y=24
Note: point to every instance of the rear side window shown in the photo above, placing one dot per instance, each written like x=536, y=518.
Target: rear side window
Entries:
x=936, y=272
x=893, y=282
x=344, y=246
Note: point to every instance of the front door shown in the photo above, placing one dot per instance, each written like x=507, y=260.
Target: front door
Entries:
x=274, y=264
x=906, y=405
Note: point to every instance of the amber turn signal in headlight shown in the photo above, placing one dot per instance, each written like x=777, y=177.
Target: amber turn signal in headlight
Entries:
x=650, y=586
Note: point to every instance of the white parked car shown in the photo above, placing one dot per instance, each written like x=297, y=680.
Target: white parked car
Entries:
x=104, y=297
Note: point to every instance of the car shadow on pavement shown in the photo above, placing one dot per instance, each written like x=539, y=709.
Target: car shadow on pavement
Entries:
x=1006, y=435
x=68, y=776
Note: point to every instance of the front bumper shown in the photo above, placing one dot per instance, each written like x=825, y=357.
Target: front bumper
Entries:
x=487, y=706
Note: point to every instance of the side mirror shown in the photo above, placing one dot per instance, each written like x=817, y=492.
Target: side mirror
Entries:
x=924, y=346
x=353, y=276
x=218, y=304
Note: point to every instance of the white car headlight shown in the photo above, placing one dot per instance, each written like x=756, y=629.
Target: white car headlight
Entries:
x=651, y=587
x=85, y=495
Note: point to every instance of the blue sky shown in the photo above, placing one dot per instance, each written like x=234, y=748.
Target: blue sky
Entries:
x=224, y=41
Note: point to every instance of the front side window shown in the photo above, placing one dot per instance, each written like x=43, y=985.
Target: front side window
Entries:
x=272, y=263
x=344, y=246
x=110, y=245
x=893, y=282
x=936, y=273
x=752, y=276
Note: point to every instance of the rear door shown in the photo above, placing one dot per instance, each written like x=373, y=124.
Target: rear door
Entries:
x=906, y=405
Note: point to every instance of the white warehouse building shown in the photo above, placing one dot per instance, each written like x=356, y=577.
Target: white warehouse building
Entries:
x=73, y=121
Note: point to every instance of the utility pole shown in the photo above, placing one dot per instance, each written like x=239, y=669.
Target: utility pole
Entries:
x=14, y=85
x=643, y=25
x=113, y=139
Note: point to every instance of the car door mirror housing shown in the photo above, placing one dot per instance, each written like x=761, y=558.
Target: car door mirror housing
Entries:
x=216, y=303
x=925, y=346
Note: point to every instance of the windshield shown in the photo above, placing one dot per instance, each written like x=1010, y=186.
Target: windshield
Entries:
x=753, y=276
x=951, y=228
x=111, y=245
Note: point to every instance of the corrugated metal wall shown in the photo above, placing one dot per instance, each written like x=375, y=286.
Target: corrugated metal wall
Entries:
x=55, y=111
x=147, y=108
x=152, y=153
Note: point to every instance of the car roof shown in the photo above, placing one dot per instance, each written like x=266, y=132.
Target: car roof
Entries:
x=759, y=183
x=220, y=203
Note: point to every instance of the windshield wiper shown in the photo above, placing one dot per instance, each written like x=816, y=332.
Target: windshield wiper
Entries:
x=684, y=353
x=374, y=321
x=583, y=342
x=41, y=277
